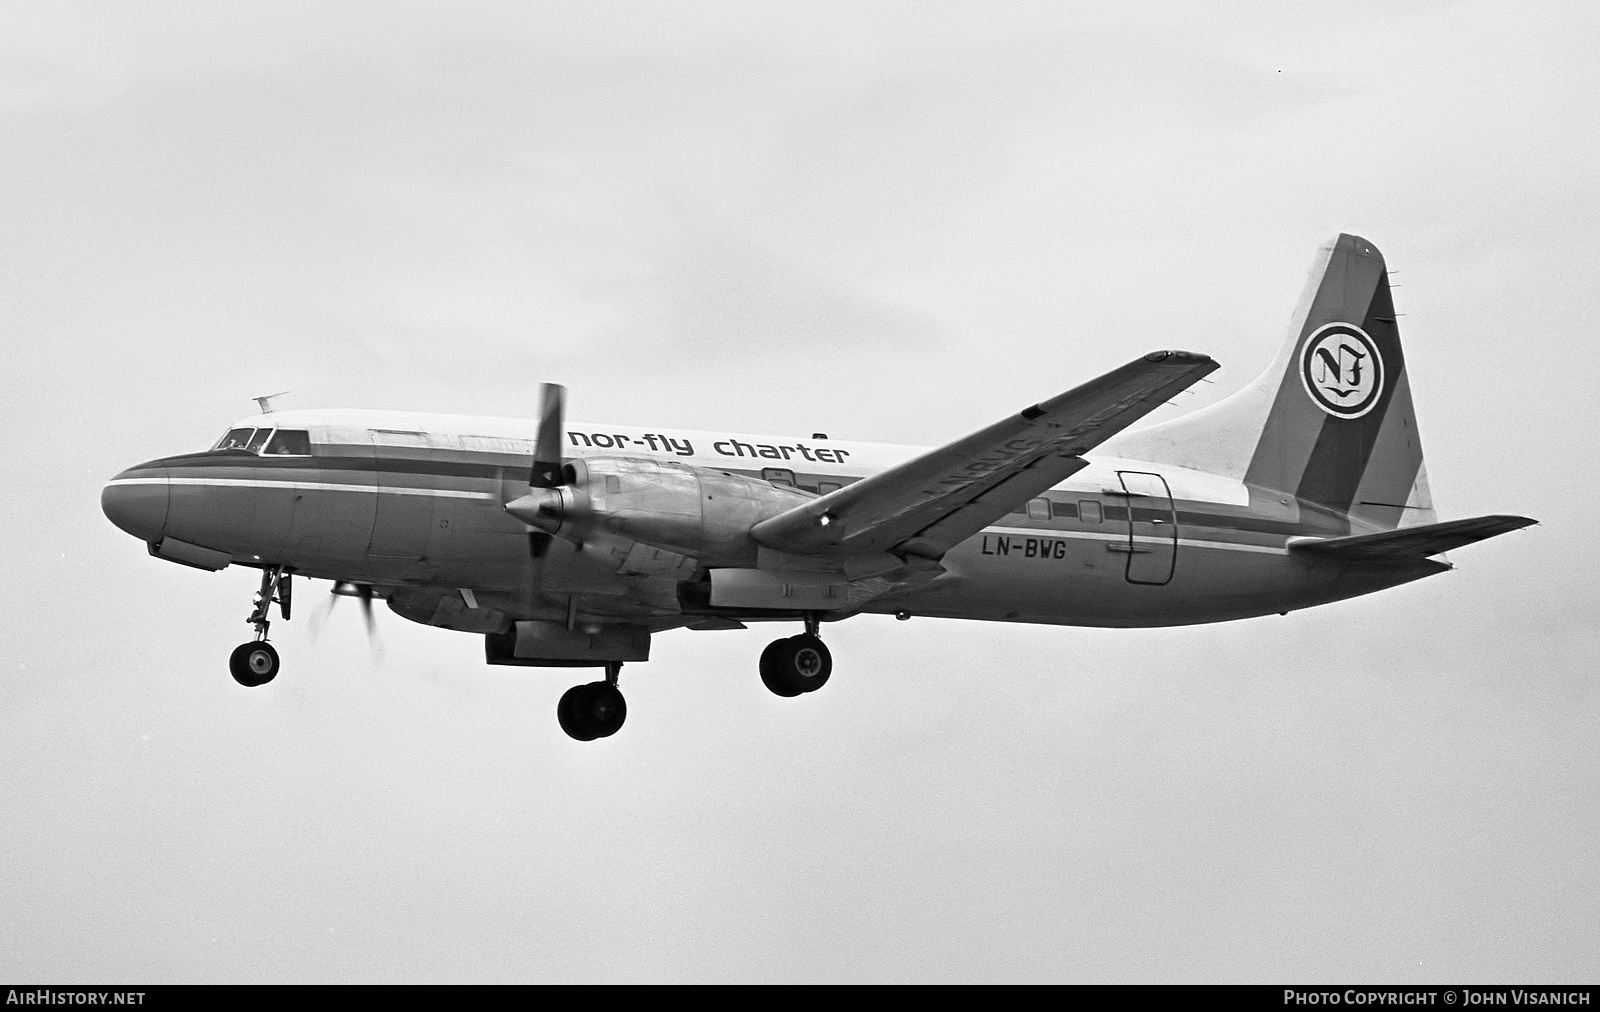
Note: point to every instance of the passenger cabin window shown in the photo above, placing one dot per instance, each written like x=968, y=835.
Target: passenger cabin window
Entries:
x=1064, y=509
x=1089, y=511
x=236, y=439
x=825, y=487
x=1038, y=509
x=289, y=443
x=778, y=476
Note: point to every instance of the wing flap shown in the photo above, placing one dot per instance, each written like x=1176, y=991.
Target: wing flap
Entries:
x=1412, y=542
x=928, y=500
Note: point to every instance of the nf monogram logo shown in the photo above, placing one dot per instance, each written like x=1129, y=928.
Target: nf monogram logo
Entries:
x=1342, y=370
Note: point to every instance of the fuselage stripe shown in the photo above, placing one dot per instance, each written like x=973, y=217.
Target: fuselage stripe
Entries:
x=440, y=493
x=1123, y=538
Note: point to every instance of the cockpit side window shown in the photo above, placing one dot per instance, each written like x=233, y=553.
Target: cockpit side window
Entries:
x=236, y=439
x=290, y=443
x=258, y=440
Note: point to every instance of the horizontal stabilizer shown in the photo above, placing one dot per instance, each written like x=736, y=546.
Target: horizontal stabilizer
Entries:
x=1412, y=542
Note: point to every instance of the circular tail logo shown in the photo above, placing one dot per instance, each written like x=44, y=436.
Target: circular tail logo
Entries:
x=1342, y=370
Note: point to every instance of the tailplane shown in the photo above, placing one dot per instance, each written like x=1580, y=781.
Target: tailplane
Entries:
x=1331, y=420
x=1412, y=543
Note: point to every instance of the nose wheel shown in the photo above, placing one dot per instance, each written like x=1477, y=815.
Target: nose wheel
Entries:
x=253, y=664
x=256, y=662
x=594, y=710
x=798, y=664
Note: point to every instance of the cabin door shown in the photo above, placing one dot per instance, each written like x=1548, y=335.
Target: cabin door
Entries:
x=1152, y=528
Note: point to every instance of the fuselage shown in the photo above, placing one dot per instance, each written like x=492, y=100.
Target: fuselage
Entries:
x=412, y=502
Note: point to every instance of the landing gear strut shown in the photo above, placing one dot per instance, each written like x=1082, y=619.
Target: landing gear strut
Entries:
x=256, y=663
x=798, y=664
x=594, y=710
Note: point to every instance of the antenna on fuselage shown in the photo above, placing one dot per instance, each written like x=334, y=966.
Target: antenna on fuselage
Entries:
x=265, y=401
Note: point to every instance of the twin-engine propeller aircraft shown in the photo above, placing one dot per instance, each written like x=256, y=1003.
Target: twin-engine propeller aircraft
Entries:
x=1305, y=487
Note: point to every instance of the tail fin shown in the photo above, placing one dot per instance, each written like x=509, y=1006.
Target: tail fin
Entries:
x=1331, y=420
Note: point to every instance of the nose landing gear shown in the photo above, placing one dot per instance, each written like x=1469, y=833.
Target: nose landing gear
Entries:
x=798, y=664
x=594, y=710
x=256, y=662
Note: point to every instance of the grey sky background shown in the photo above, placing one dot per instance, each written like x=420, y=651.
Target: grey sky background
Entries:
x=883, y=221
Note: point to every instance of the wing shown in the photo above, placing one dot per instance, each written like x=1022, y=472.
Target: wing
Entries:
x=933, y=502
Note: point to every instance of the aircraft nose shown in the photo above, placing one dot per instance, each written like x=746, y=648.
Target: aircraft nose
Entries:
x=136, y=501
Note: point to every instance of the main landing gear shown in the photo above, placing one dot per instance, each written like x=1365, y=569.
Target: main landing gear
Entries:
x=798, y=664
x=594, y=710
x=256, y=662
x=789, y=667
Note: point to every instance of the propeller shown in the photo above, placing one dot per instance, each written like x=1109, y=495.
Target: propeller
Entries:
x=547, y=444
x=364, y=593
x=546, y=470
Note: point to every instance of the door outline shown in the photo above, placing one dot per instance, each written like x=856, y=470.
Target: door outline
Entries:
x=1152, y=552
x=402, y=523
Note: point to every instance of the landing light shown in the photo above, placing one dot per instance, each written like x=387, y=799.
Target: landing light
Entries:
x=825, y=520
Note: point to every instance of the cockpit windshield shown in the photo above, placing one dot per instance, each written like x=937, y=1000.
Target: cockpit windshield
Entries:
x=236, y=439
x=268, y=442
x=289, y=443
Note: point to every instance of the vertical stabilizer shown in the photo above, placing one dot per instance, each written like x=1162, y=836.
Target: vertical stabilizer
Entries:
x=1331, y=420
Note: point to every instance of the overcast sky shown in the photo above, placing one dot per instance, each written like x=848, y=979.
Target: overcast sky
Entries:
x=891, y=222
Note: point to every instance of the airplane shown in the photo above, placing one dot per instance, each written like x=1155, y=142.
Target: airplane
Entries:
x=573, y=544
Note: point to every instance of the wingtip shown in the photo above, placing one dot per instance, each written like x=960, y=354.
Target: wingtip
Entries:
x=1505, y=522
x=1174, y=355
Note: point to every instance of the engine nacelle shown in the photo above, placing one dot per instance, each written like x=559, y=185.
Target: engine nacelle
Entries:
x=695, y=511
x=553, y=645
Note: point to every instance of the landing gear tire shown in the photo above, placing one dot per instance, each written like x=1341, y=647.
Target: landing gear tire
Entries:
x=594, y=710
x=795, y=665
x=254, y=663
